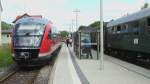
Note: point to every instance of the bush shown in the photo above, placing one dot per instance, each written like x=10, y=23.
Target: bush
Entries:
x=5, y=56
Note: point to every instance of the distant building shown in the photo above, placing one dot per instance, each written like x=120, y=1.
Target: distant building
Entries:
x=6, y=36
x=1, y=9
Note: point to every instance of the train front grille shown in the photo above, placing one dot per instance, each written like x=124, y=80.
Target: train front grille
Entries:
x=26, y=53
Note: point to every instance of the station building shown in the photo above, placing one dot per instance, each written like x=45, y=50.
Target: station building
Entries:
x=6, y=36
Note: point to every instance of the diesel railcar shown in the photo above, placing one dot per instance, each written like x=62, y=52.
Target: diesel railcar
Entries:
x=129, y=35
x=33, y=40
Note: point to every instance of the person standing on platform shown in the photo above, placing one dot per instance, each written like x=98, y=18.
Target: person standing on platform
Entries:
x=70, y=42
x=87, y=48
x=67, y=42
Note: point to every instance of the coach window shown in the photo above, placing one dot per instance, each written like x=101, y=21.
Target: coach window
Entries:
x=118, y=29
x=123, y=28
x=126, y=28
x=112, y=30
x=135, y=26
x=148, y=25
x=109, y=30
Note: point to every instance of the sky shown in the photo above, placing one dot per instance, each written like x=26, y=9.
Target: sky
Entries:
x=60, y=12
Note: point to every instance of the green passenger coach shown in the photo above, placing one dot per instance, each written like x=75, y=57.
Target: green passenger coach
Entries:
x=129, y=35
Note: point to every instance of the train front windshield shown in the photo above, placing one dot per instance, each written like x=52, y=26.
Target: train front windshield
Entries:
x=28, y=35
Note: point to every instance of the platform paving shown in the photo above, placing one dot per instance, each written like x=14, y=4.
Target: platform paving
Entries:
x=115, y=72
x=71, y=70
x=64, y=71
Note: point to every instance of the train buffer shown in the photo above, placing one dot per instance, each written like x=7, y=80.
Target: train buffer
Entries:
x=68, y=69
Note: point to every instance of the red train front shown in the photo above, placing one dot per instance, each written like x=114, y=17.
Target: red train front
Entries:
x=32, y=41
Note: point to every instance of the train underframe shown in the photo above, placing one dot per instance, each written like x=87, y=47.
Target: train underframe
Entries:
x=127, y=54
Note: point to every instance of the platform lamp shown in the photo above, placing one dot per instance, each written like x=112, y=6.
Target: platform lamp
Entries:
x=101, y=37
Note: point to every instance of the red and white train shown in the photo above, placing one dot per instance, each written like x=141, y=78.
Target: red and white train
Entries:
x=33, y=41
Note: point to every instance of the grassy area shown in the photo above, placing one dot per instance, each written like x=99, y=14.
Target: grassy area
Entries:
x=5, y=56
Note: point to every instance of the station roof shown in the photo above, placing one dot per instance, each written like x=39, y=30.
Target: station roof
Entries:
x=88, y=29
x=133, y=17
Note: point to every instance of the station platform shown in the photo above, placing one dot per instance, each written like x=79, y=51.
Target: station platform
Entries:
x=69, y=69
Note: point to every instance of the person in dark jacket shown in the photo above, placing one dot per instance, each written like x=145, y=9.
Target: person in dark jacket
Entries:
x=67, y=42
x=87, y=48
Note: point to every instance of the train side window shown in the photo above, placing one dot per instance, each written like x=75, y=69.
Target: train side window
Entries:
x=148, y=25
x=114, y=30
x=49, y=35
x=135, y=26
x=118, y=29
x=148, y=22
x=109, y=30
x=126, y=28
x=123, y=27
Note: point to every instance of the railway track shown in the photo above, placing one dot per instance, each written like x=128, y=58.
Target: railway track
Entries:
x=20, y=77
x=7, y=76
x=44, y=74
x=29, y=75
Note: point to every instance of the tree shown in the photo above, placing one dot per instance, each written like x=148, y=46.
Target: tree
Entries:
x=6, y=26
x=64, y=33
x=95, y=24
x=146, y=5
x=82, y=27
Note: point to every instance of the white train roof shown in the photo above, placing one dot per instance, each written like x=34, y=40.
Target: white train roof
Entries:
x=135, y=16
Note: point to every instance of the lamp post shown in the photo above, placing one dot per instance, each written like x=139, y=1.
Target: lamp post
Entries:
x=76, y=12
x=101, y=36
x=0, y=30
x=1, y=9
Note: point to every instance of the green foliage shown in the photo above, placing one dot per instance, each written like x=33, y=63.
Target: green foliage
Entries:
x=5, y=56
x=146, y=5
x=64, y=33
x=6, y=26
x=82, y=27
x=95, y=24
